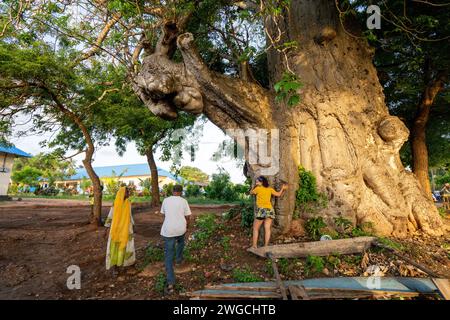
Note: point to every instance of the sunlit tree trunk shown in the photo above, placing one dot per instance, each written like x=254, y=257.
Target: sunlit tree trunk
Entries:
x=418, y=138
x=156, y=201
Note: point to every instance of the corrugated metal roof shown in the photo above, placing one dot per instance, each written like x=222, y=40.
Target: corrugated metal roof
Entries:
x=15, y=151
x=128, y=170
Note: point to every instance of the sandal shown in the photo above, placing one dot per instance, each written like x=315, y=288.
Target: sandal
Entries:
x=170, y=289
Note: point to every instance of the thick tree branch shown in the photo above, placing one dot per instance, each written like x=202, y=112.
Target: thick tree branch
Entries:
x=247, y=105
x=101, y=37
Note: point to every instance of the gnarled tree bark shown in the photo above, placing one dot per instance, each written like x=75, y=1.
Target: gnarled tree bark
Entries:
x=341, y=131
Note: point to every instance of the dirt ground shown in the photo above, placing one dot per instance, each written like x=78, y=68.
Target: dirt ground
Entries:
x=39, y=240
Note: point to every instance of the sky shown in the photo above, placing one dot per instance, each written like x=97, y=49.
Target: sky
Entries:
x=107, y=156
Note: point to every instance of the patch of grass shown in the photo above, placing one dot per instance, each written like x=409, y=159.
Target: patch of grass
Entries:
x=160, y=283
x=179, y=288
x=225, y=243
x=245, y=275
x=152, y=254
x=346, y=229
x=269, y=269
x=314, y=227
x=343, y=225
x=206, y=226
x=391, y=244
x=353, y=259
x=333, y=261
x=285, y=266
x=359, y=232
x=188, y=254
x=314, y=264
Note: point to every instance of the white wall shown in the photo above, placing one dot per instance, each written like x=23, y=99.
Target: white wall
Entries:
x=5, y=176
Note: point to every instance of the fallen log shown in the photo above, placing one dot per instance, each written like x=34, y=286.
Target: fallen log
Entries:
x=316, y=248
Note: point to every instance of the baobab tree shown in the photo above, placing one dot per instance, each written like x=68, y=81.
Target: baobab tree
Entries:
x=341, y=129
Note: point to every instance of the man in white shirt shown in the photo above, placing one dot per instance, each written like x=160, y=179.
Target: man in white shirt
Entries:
x=177, y=214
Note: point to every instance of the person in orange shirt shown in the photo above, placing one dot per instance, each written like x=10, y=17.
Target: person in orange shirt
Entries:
x=264, y=210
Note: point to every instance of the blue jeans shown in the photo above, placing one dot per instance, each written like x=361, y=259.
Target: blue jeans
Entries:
x=169, y=253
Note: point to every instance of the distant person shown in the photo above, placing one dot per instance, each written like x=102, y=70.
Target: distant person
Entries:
x=264, y=210
x=177, y=214
x=120, y=249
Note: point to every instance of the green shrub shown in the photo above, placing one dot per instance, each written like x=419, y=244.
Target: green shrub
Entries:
x=221, y=188
x=193, y=190
x=391, y=244
x=206, y=226
x=245, y=275
x=314, y=227
x=13, y=189
x=247, y=214
x=314, y=265
x=153, y=254
x=307, y=197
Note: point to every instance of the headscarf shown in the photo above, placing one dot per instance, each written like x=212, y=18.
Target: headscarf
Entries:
x=121, y=219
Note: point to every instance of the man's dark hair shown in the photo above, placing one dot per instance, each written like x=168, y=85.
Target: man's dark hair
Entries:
x=178, y=188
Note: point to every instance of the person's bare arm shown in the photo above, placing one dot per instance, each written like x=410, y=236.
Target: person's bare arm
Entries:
x=280, y=193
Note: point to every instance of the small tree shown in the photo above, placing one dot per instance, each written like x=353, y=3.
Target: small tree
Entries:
x=221, y=187
x=41, y=83
x=112, y=184
x=27, y=176
x=193, y=174
x=193, y=190
x=53, y=166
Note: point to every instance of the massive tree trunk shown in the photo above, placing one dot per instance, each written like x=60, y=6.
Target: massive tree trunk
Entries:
x=156, y=201
x=341, y=131
x=418, y=138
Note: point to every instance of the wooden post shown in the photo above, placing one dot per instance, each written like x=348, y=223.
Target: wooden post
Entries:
x=277, y=276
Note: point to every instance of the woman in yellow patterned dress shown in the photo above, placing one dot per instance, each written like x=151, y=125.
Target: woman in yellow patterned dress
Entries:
x=120, y=249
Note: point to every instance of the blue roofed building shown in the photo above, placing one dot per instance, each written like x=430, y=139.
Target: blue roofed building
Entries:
x=7, y=156
x=129, y=174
